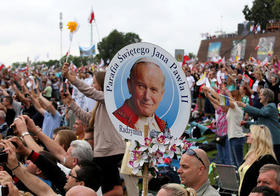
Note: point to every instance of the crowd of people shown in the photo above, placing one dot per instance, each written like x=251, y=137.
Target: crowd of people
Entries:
x=57, y=137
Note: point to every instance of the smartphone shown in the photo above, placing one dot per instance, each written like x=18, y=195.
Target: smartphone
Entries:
x=64, y=88
x=4, y=190
x=3, y=157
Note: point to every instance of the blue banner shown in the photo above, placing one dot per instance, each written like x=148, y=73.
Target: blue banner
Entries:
x=87, y=51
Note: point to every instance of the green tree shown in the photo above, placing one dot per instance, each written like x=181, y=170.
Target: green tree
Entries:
x=191, y=55
x=77, y=60
x=111, y=44
x=16, y=65
x=260, y=13
x=276, y=9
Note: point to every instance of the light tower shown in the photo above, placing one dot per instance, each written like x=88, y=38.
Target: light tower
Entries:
x=60, y=27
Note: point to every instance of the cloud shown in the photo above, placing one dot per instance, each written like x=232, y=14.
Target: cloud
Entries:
x=31, y=27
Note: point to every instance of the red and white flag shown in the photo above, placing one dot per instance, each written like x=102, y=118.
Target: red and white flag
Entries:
x=257, y=47
x=23, y=69
x=73, y=67
x=1, y=66
x=222, y=61
x=91, y=16
x=186, y=58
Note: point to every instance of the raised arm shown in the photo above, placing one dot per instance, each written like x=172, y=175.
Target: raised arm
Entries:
x=87, y=90
x=35, y=184
x=51, y=109
x=22, y=131
x=79, y=112
x=20, y=95
x=49, y=168
x=5, y=93
x=51, y=145
x=23, y=86
x=37, y=105
x=33, y=94
x=213, y=100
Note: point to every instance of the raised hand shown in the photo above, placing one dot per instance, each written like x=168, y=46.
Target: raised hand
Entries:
x=10, y=149
x=19, y=125
x=20, y=148
x=68, y=73
x=30, y=124
x=66, y=97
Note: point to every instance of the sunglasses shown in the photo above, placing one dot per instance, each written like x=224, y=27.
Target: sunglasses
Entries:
x=76, y=177
x=191, y=152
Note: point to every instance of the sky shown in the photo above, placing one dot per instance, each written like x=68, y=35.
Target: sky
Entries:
x=30, y=28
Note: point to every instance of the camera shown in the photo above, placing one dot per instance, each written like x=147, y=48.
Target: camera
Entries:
x=3, y=157
x=13, y=128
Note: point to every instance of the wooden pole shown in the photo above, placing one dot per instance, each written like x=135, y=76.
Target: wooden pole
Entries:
x=146, y=167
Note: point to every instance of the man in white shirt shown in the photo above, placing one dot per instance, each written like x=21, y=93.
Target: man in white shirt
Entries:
x=191, y=81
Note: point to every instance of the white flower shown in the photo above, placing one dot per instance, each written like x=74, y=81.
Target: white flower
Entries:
x=152, y=151
x=174, y=147
x=133, y=145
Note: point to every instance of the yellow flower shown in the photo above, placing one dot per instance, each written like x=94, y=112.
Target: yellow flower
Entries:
x=72, y=26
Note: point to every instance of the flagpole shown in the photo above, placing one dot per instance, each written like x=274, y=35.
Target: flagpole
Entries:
x=60, y=27
x=91, y=34
x=97, y=31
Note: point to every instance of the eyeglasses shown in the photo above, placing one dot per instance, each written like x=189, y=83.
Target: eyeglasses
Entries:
x=191, y=152
x=76, y=177
x=87, y=139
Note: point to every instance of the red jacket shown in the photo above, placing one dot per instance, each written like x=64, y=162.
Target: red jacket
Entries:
x=127, y=116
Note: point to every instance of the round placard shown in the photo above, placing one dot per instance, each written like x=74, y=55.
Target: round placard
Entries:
x=144, y=85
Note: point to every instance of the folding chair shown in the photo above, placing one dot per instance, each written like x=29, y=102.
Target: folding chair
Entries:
x=227, y=179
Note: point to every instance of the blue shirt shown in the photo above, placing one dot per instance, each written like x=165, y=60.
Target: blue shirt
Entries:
x=50, y=123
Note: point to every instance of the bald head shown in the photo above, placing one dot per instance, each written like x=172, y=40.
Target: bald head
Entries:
x=193, y=169
x=202, y=154
x=81, y=190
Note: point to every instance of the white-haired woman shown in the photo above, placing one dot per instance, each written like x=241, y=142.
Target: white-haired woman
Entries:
x=267, y=115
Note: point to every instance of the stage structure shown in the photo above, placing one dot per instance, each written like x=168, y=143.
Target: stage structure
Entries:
x=243, y=46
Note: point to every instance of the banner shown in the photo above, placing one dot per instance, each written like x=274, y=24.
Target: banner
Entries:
x=179, y=55
x=224, y=100
x=214, y=50
x=265, y=48
x=84, y=51
x=238, y=49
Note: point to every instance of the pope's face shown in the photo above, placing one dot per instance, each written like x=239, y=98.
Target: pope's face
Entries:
x=146, y=88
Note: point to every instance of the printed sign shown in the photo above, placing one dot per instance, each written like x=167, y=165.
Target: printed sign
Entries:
x=238, y=49
x=179, y=55
x=84, y=51
x=214, y=50
x=144, y=85
x=265, y=48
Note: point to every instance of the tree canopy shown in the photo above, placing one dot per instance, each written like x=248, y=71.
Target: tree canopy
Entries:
x=116, y=40
x=76, y=60
x=262, y=11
